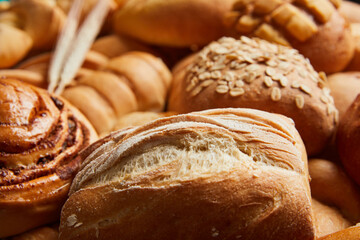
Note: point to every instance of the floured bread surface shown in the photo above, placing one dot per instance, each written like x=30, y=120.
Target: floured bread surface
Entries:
x=223, y=172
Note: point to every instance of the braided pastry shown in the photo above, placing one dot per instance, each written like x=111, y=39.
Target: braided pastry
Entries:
x=315, y=28
x=40, y=136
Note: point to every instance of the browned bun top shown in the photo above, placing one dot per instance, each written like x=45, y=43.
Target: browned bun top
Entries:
x=221, y=173
x=178, y=23
x=315, y=28
x=348, y=138
x=254, y=73
x=345, y=86
x=40, y=136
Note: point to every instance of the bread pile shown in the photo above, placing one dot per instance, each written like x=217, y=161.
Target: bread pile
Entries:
x=186, y=119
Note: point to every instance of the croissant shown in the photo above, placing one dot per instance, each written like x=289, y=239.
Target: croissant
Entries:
x=40, y=136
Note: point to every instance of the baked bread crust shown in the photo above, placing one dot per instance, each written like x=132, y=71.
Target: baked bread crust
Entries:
x=254, y=73
x=40, y=136
x=222, y=173
x=315, y=28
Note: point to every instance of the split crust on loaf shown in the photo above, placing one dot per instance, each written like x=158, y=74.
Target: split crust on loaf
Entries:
x=246, y=165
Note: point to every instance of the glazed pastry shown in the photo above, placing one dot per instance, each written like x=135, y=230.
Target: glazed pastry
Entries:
x=315, y=28
x=254, y=73
x=225, y=174
x=40, y=137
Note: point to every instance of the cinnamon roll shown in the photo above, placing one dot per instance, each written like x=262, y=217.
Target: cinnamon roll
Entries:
x=40, y=136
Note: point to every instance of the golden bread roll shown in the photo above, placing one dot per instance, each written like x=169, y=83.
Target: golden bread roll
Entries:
x=351, y=233
x=315, y=28
x=254, y=73
x=139, y=118
x=224, y=174
x=135, y=81
x=351, y=11
x=330, y=185
x=40, y=136
x=327, y=219
x=348, y=138
x=177, y=23
x=354, y=65
x=345, y=86
x=28, y=25
x=30, y=77
x=115, y=45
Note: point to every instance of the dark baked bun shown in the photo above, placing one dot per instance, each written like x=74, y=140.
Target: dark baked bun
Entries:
x=178, y=23
x=40, y=137
x=315, y=28
x=224, y=174
x=345, y=86
x=254, y=73
x=348, y=138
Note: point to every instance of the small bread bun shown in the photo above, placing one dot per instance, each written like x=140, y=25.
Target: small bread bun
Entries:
x=180, y=23
x=354, y=65
x=327, y=219
x=345, y=86
x=348, y=138
x=218, y=174
x=351, y=233
x=40, y=137
x=254, y=73
x=41, y=233
x=330, y=185
x=315, y=28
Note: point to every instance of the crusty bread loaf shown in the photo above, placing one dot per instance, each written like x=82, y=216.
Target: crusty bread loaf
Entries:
x=40, y=137
x=330, y=185
x=345, y=86
x=224, y=174
x=348, y=138
x=315, y=28
x=327, y=219
x=177, y=23
x=257, y=74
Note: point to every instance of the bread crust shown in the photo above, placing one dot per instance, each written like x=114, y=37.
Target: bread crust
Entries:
x=251, y=199
x=224, y=74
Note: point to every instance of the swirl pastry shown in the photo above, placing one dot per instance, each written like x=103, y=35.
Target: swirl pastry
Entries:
x=40, y=136
x=218, y=174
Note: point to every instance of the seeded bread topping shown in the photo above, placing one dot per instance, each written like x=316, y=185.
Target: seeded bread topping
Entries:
x=274, y=20
x=256, y=60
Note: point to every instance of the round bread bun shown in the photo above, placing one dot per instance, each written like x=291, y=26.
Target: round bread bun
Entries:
x=217, y=174
x=176, y=23
x=331, y=185
x=315, y=28
x=254, y=73
x=345, y=86
x=348, y=138
x=354, y=65
x=40, y=137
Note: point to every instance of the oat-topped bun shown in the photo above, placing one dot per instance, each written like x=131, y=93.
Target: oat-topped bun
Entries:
x=217, y=174
x=315, y=28
x=254, y=73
